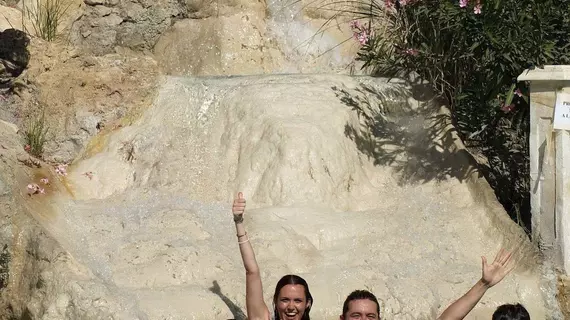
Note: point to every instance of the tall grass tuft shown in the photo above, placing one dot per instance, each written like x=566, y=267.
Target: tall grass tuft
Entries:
x=45, y=16
x=36, y=135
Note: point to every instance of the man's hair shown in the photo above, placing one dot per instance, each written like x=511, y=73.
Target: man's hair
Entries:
x=511, y=312
x=360, y=295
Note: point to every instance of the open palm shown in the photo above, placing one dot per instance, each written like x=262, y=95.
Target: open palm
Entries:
x=495, y=272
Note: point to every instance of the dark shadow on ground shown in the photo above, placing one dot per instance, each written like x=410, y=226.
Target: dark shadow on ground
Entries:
x=418, y=143
x=235, y=309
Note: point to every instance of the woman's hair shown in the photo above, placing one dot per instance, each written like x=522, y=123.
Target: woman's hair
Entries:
x=293, y=279
x=511, y=312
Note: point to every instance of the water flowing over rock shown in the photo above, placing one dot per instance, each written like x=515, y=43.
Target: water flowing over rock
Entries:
x=398, y=209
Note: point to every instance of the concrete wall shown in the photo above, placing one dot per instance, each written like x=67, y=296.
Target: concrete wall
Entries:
x=549, y=165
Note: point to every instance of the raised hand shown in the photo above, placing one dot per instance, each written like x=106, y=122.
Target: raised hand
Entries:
x=238, y=208
x=495, y=272
x=492, y=274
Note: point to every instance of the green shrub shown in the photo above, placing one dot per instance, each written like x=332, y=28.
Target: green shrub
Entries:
x=471, y=52
x=36, y=136
x=45, y=16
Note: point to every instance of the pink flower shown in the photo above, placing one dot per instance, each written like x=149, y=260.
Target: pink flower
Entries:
x=518, y=92
x=477, y=8
x=463, y=3
x=27, y=148
x=509, y=108
x=411, y=52
x=360, y=32
x=44, y=180
x=406, y=2
x=355, y=24
x=362, y=37
x=61, y=169
x=33, y=188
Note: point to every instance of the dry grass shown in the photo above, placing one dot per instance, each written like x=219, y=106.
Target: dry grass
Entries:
x=45, y=16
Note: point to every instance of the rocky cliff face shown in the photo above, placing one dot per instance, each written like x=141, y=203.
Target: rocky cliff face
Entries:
x=218, y=37
x=136, y=24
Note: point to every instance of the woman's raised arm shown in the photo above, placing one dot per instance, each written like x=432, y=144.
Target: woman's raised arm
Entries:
x=256, y=307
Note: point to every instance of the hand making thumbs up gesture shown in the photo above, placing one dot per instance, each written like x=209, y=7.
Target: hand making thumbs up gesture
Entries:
x=238, y=208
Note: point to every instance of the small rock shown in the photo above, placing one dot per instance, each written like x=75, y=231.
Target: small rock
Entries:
x=94, y=2
x=89, y=62
x=87, y=121
x=111, y=20
x=9, y=125
x=103, y=11
x=29, y=161
x=108, y=3
x=61, y=151
x=86, y=33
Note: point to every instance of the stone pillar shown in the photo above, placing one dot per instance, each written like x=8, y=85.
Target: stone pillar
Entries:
x=563, y=193
x=549, y=164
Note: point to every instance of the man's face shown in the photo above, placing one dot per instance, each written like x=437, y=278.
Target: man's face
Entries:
x=362, y=309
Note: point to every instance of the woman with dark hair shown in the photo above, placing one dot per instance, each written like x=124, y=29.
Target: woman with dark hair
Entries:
x=292, y=299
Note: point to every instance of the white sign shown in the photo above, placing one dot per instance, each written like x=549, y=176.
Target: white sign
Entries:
x=562, y=111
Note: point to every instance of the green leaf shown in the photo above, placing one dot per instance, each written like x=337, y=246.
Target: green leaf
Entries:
x=510, y=94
